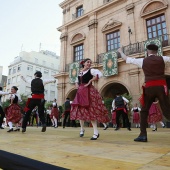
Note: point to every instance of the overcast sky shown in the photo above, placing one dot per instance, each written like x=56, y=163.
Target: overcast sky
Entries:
x=24, y=24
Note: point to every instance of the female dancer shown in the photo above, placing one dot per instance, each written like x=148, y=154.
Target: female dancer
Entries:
x=136, y=116
x=54, y=113
x=13, y=111
x=155, y=115
x=87, y=104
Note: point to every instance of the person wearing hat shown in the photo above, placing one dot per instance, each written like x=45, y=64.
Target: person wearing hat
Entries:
x=87, y=104
x=37, y=99
x=155, y=85
x=2, y=114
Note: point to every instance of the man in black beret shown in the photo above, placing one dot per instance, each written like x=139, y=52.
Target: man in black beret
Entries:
x=155, y=85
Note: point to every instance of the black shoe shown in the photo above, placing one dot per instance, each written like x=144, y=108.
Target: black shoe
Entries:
x=105, y=128
x=82, y=134
x=63, y=127
x=129, y=129
x=117, y=129
x=141, y=139
x=10, y=130
x=163, y=126
x=23, y=130
x=95, y=138
x=43, y=128
x=154, y=129
x=1, y=127
x=18, y=129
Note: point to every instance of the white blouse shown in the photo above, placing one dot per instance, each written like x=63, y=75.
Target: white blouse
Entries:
x=94, y=72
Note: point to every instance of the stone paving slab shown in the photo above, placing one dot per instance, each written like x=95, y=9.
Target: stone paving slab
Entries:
x=113, y=150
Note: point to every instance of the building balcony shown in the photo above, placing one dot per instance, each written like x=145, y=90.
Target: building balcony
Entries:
x=76, y=15
x=136, y=48
x=131, y=49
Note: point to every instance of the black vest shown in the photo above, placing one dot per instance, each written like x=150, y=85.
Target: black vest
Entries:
x=15, y=99
x=136, y=110
x=37, y=86
x=153, y=68
x=67, y=106
x=85, y=78
x=119, y=102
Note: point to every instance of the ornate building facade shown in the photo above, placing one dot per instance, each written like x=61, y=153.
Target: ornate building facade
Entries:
x=93, y=29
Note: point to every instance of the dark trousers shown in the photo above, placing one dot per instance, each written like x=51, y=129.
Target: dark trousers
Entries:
x=2, y=114
x=67, y=114
x=124, y=116
x=48, y=120
x=34, y=102
x=150, y=93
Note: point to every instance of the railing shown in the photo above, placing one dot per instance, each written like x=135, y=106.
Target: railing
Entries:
x=74, y=16
x=136, y=48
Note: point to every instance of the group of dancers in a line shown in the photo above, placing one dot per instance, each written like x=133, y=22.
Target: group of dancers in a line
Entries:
x=88, y=105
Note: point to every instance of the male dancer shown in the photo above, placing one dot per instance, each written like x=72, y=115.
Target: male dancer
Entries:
x=155, y=85
x=2, y=114
x=37, y=99
x=118, y=104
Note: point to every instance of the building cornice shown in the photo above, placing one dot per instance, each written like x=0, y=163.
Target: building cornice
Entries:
x=65, y=3
x=89, y=13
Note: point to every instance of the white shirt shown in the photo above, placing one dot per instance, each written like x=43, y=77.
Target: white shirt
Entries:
x=15, y=94
x=134, y=108
x=54, y=104
x=139, y=61
x=113, y=103
x=45, y=81
x=94, y=72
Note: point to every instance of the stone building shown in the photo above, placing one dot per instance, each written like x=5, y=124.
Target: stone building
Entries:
x=94, y=28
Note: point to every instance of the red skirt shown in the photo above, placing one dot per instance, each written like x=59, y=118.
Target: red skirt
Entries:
x=92, y=109
x=13, y=113
x=136, y=117
x=54, y=112
x=114, y=117
x=155, y=114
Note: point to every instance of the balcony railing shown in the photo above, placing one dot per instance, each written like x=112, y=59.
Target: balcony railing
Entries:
x=75, y=15
x=136, y=48
x=129, y=50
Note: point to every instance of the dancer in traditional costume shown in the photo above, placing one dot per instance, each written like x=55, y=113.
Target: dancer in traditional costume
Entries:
x=119, y=105
x=13, y=111
x=54, y=113
x=136, y=115
x=34, y=116
x=2, y=114
x=155, y=115
x=155, y=85
x=37, y=99
x=87, y=105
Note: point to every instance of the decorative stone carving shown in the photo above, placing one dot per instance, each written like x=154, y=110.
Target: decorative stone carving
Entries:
x=153, y=6
x=111, y=24
x=77, y=37
x=68, y=8
x=130, y=8
x=92, y=24
x=63, y=36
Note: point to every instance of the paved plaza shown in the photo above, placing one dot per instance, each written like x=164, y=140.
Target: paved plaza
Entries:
x=114, y=150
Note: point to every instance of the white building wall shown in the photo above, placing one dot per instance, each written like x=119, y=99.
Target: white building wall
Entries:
x=26, y=64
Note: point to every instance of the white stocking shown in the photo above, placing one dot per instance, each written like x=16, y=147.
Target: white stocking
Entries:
x=55, y=120
x=161, y=123
x=52, y=122
x=104, y=124
x=10, y=125
x=94, y=123
x=81, y=125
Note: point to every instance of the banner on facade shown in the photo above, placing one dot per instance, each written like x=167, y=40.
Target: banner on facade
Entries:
x=156, y=41
x=110, y=66
x=73, y=71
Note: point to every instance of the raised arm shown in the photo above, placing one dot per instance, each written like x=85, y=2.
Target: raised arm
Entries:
x=47, y=81
x=129, y=60
x=26, y=80
x=4, y=93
